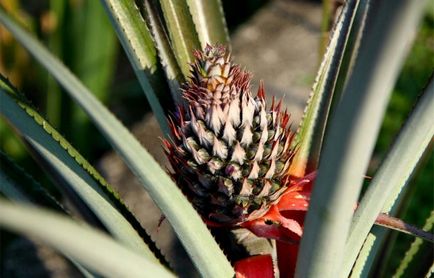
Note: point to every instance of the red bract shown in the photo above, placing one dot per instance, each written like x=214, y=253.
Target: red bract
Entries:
x=284, y=220
x=287, y=258
x=255, y=267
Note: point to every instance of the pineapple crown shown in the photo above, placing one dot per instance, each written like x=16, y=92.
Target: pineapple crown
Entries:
x=214, y=80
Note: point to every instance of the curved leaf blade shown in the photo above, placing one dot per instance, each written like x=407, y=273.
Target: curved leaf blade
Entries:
x=24, y=189
x=168, y=60
x=70, y=166
x=430, y=271
x=137, y=42
x=352, y=135
x=393, y=174
x=351, y=51
x=10, y=190
x=87, y=246
x=310, y=135
x=18, y=185
x=183, y=37
x=359, y=269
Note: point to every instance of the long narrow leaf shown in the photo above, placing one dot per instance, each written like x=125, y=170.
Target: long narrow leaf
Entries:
x=392, y=174
x=430, y=271
x=55, y=114
x=69, y=165
x=414, y=248
x=376, y=241
x=168, y=60
x=17, y=184
x=360, y=269
x=184, y=39
x=309, y=138
x=94, y=65
x=10, y=190
x=193, y=233
x=352, y=135
x=210, y=21
x=351, y=52
x=87, y=246
x=137, y=43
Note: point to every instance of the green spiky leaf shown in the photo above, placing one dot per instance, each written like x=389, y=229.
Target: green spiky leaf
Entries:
x=70, y=167
x=168, y=60
x=183, y=37
x=18, y=185
x=393, y=174
x=309, y=138
x=351, y=136
x=209, y=21
x=136, y=40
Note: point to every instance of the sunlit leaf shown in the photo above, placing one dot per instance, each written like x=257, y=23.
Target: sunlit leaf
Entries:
x=136, y=40
x=168, y=60
x=183, y=36
x=352, y=134
x=209, y=21
x=392, y=175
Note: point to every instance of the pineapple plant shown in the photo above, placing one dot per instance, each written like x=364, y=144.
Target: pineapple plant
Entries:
x=232, y=157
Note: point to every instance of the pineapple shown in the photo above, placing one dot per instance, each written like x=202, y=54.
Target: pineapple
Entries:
x=229, y=153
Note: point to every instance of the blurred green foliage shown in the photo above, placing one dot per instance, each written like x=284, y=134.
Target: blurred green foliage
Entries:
x=14, y=61
x=80, y=34
x=82, y=37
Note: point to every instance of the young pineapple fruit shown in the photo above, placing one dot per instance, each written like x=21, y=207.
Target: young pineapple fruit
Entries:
x=229, y=153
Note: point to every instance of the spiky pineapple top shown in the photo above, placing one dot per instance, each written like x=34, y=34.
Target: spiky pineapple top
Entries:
x=229, y=153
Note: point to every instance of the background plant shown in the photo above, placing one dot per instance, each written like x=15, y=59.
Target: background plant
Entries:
x=124, y=14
